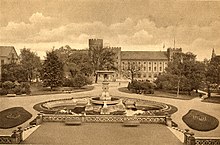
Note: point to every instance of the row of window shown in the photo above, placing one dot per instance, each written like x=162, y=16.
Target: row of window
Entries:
x=160, y=69
x=145, y=75
x=135, y=62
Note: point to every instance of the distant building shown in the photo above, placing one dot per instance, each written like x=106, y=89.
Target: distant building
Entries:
x=146, y=64
x=8, y=55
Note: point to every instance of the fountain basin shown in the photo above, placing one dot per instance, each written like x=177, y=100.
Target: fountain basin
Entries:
x=98, y=101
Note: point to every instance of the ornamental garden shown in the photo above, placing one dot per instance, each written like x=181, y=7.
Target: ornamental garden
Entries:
x=135, y=104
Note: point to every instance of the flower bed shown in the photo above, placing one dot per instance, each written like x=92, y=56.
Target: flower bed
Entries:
x=200, y=121
x=13, y=117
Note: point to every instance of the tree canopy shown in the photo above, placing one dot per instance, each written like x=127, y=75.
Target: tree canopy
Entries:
x=31, y=63
x=183, y=73
x=52, y=70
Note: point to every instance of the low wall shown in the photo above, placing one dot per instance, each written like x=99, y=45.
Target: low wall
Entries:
x=207, y=140
x=179, y=133
x=6, y=140
x=105, y=118
x=15, y=138
x=28, y=131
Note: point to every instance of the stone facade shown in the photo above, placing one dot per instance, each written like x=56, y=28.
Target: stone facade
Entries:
x=146, y=64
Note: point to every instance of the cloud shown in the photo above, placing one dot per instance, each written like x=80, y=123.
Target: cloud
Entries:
x=47, y=29
x=125, y=27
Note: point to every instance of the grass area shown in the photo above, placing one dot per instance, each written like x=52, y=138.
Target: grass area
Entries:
x=213, y=99
x=13, y=117
x=164, y=94
x=47, y=91
x=39, y=108
x=172, y=109
x=200, y=121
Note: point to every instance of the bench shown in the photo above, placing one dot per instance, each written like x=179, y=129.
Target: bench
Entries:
x=131, y=123
x=73, y=122
x=11, y=95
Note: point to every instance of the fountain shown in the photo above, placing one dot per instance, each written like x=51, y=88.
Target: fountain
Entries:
x=104, y=104
x=105, y=98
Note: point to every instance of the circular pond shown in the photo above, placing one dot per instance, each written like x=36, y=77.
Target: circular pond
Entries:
x=115, y=106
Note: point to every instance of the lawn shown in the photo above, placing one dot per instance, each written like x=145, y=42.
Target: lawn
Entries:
x=159, y=93
x=213, y=99
x=13, y=117
x=200, y=121
x=39, y=90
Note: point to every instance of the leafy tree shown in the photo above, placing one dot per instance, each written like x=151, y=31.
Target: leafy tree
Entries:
x=213, y=73
x=79, y=62
x=131, y=72
x=75, y=61
x=31, y=63
x=52, y=71
x=80, y=80
x=14, y=72
x=101, y=58
x=183, y=73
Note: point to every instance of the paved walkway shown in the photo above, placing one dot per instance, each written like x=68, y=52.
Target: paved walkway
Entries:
x=183, y=105
x=102, y=133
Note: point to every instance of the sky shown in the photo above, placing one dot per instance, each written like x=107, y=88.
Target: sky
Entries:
x=130, y=24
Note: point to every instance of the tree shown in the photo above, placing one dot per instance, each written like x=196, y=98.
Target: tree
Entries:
x=101, y=58
x=31, y=63
x=52, y=71
x=14, y=72
x=79, y=62
x=131, y=71
x=80, y=80
x=213, y=73
x=183, y=73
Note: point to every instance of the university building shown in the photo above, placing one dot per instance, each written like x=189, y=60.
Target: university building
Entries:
x=145, y=65
x=8, y=55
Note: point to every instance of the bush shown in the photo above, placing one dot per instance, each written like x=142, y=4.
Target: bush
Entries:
x=139, y=87
x=78, y=81
x=67, y=82
x=3, y=91
x=0, y=84
x=8, y=85
x=25, y=88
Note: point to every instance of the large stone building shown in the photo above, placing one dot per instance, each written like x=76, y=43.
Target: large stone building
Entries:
x=144, y=64
x=8, y=54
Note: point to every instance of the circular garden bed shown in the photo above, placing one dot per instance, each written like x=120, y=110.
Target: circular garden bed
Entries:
x=200, y=121
x=13, y=117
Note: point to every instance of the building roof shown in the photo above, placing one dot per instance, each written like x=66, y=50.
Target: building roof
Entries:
x=144, y=55
x=6, y=50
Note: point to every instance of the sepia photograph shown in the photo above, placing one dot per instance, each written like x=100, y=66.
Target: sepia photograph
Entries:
x=110, y=72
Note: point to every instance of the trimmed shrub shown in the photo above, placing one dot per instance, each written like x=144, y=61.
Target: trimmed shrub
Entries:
x=25, y=88
x=67, y=82
x=8, y=85
x=78, y=81
x=3, y=91
x=140, y=87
